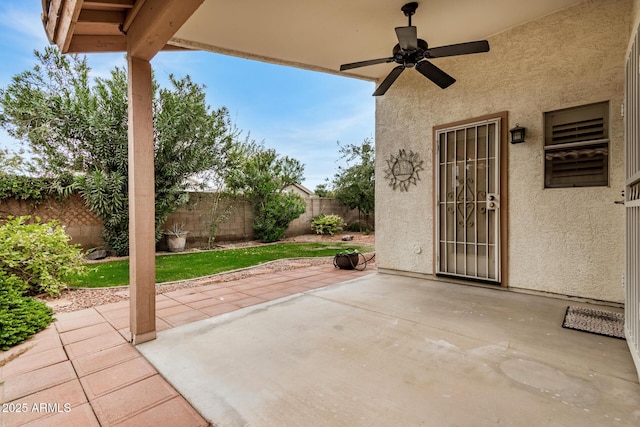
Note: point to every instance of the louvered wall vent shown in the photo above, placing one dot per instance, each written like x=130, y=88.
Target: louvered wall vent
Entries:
x=584, y=130
x=577, y=146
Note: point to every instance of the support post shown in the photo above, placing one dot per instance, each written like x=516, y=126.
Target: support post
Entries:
x=142, y=276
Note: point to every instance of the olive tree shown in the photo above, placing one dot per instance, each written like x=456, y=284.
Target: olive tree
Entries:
x=354, y=184
x=263, y=177
x=78, y=126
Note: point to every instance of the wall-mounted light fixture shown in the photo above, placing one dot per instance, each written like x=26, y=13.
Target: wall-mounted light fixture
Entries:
x=517, y=134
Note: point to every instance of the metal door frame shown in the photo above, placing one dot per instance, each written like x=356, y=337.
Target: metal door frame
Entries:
x=501, y=121
x=632, y=201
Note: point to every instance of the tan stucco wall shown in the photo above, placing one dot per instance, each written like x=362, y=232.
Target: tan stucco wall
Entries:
x=564, y=241
x=636, y=14
x=196, y=218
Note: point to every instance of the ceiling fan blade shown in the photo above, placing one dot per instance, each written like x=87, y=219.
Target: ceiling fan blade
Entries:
x=388, y=81
x=352, y=65
x=407, y=37
x=458, y=49
x=435, y=74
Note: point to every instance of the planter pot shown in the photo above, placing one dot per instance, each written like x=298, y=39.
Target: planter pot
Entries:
x=346, y=261
x=176, y=243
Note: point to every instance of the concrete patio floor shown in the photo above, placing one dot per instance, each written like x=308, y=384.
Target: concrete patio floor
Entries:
x=385, y=350
x=288, y=349
x=81, y=370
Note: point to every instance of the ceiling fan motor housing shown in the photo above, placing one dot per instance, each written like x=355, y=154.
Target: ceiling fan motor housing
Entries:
x=409, y=58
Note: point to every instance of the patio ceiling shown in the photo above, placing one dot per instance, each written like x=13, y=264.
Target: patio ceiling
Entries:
x=317, y=35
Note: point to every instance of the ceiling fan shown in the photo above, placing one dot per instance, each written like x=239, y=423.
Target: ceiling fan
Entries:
x=413, y=52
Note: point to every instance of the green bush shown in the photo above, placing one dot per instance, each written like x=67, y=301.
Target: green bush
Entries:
x=272, y=219
x=20, y=316
x=36, y=190
x=327, y=224
x=38, y=255
x=359, y=227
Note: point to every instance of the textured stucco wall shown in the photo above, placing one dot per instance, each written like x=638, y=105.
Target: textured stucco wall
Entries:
x=565, y=241
x=196, y=217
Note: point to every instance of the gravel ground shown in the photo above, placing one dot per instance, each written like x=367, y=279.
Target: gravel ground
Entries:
x=78, y=299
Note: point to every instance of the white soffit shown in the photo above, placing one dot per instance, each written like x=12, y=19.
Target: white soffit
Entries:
x=321, y=35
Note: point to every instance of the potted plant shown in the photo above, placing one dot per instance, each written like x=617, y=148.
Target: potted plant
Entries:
x=347, y=259
x=176, y=238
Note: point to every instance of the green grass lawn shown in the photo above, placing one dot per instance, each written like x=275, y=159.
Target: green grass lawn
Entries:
x=170, y=268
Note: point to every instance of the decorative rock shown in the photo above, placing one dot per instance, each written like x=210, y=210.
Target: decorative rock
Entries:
x=58, y=303
x=95, y=255
x=347, y=238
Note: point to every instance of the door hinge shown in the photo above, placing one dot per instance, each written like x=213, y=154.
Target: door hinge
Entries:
x=622, y=110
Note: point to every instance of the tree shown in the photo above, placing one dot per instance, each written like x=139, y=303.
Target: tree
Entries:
x=10, y=163
x=79, y=127
x=220, y=204
x=323, y=190
x=263, y=178
x=354, y=185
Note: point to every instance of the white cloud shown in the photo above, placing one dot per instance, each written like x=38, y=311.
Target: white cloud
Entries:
x=334, y=129
x=315, y=144
x=25, y=24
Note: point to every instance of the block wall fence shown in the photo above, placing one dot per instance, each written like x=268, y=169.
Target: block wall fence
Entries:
x=85, y=228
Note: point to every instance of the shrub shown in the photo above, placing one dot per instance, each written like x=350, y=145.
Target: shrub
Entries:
x=20, y=316
x=38, y=255
x=359, y=226
x=327, y=224
x=273, y=218
x=36, y=190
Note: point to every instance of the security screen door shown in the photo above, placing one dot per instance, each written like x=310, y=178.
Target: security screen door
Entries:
x=632, y=201
x=468, y=201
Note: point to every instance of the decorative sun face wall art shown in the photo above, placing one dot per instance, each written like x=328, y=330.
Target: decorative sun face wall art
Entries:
x=403, y=170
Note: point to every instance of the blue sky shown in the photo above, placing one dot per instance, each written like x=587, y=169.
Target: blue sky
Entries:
x=300, y=113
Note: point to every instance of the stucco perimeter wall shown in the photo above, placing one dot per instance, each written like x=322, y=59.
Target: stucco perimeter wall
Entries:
x=85, y=228
x=238, y=225
x=564, y=241
x=317, y=206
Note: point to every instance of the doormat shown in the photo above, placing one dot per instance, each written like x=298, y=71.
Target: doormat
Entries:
x=601, y=322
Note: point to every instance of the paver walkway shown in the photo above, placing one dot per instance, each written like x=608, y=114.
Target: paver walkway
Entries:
x=82, y=371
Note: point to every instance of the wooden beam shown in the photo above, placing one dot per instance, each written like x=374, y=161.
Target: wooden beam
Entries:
x=156, y=22
x=98, y=23
x=142, y=246
x=85, y=29
x=131, y=15
x=109, y=4
x=101, y=16
x=52, y=17
x=90, y=44
x=67, y=21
